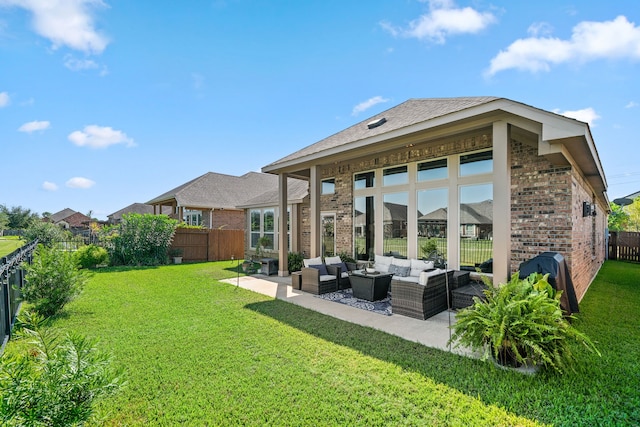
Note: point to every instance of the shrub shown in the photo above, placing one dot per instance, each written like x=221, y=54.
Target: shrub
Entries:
x=52, y=280
x=294, y=261
x=520, y=323
x=91, y=255
x=57, y=381
x=48, y=234
x=139, y=239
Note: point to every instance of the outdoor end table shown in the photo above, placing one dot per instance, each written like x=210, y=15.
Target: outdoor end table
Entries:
x=463, y=297
x=370, y=286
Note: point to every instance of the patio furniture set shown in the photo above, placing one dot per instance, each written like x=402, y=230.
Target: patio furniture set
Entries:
x=418, y=289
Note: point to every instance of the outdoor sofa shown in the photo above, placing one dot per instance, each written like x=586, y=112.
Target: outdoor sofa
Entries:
x=417, y=289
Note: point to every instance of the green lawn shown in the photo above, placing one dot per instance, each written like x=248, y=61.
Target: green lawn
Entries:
x=9, y=244
x=199, y=352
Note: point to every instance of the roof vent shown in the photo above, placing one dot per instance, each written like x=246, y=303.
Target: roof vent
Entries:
x=376, y=123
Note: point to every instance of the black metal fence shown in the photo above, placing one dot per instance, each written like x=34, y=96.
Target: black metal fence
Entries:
x=11, y=281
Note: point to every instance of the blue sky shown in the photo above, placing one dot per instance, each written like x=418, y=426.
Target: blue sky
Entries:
x=107, y=103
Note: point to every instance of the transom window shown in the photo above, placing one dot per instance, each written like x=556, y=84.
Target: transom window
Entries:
x=429, y=171
x=395, y=176
x=476, y=163
x=364, y=180
x=328, y=186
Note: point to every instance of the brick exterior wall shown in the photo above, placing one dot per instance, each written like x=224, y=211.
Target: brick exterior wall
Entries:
x=228, y=219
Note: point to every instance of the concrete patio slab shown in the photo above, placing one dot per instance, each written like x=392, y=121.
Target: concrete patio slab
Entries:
x=433, y=332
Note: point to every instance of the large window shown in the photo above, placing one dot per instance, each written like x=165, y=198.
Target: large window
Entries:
x=432, y=217
x=263, y=223
x=394, y=224
x=476, y=224
x=192, y=217
x=364, y=226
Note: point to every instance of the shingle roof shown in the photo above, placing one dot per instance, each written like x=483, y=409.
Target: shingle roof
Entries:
x=297, y=190
x=470, y=213
x=214, y=190
x=406, y=114
x=140, y=208
x=59, y=216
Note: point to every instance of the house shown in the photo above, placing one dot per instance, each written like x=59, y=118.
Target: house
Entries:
x=211, y=200
x=139, y=208
x=515, y=177
x=70, y=220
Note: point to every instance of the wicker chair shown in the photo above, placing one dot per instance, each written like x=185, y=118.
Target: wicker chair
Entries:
x=314, y=282
x=334, y=268
x=412, y=299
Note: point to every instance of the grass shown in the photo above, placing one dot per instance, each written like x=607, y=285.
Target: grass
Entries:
x=9, y=244
x=200, y=352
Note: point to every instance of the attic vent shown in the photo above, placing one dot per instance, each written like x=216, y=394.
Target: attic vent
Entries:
x=376, y=123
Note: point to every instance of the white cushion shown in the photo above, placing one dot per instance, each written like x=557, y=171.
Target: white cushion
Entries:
x=411, y=279
x=401, y=262
x=382, y=263
x=312, y=261
x=424, y=276
x=418, y=266
x=326, y=277
x=330, y=260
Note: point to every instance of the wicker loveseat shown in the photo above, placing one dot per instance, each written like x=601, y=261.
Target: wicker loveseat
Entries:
x=417, y=289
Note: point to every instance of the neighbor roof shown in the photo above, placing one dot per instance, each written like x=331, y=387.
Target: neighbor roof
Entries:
x=59, y=216
x=219, y=191
x=140, y=208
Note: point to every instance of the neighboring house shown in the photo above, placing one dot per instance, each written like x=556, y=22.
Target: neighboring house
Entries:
x=528, y=172
x=139, y=208
x=213, y=200
x=70, y=220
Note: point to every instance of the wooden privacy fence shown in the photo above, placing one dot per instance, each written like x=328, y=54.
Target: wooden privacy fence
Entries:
x=209, y=245
x=624, y=246
x=11, y=281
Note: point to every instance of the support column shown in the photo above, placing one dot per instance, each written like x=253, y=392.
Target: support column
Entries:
x=314, y=195
x=501, y=202
x=283, y=249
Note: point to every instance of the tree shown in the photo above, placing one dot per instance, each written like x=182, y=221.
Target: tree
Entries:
x=19, y=217
x=618, y=218
x=633, y=210
x=4, y=220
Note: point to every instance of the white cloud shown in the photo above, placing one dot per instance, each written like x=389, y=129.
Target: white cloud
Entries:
x=4, y=99
x=34, y=126
x=589, y=41
x=363, y=106
x=99, y=137
x=79, y=64
x=65, y=22
x=631, y=104
x=80, y=182
x=587, y=115
x=539, y=28
x=49, y=186
x=444, y=19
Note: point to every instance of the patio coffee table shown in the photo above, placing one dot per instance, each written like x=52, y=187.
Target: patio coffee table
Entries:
x=370, y=286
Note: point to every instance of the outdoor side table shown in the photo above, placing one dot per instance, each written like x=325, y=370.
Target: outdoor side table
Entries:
x=296, y=280
x=370, y=286
x=269, y=266
x=463, y=297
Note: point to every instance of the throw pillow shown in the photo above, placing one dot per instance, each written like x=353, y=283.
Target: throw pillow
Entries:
x=397, y=270
x=343, y=267
x=321, y=267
